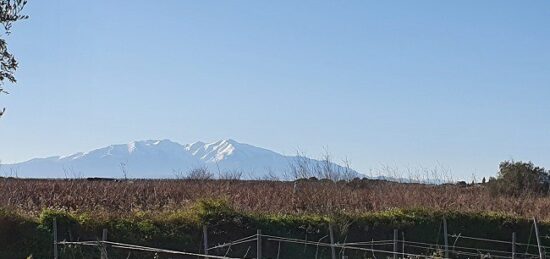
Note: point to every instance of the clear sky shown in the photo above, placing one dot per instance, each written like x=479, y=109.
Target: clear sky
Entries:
x=460, y=84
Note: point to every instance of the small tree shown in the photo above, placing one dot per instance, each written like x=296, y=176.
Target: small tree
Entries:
x=520, y=178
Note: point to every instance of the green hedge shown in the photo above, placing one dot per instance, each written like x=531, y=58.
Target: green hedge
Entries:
x=22, y=236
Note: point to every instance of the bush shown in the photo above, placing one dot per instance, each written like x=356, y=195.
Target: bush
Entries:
x=520, y=178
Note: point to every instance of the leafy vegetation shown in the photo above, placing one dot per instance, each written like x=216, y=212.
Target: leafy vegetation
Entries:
x=520, y=179
x=182, y=229
x=10, y=12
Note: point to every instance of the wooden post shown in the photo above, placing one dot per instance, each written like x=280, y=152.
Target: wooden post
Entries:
x=446, y=237
x=332, y=248
x=104, y=247
x=259, y=244
x=541, y=251
x=395, y=233
x=513, y=245
x=55, y=255
x=205, y=239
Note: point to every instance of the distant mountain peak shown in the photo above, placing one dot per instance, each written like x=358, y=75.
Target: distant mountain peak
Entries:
x=213, y=152
x=160, y=158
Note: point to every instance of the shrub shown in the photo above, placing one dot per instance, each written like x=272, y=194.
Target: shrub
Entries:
x=520, y=178
x=200, y=174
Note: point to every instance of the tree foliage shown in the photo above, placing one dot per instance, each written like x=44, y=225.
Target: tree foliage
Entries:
x=10, y=12
x=520, y=178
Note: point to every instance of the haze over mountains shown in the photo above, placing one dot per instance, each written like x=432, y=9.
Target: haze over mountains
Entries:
x=167, y=159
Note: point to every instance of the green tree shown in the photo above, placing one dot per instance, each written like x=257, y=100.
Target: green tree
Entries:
x=9, y=13
x=520, y=178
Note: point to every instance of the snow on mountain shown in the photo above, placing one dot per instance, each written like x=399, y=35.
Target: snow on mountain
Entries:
x=161, y=159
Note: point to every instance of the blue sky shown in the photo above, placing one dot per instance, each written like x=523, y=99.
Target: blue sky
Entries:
x=462, y=84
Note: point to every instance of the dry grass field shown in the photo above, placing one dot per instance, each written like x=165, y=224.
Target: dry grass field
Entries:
x=299, y=197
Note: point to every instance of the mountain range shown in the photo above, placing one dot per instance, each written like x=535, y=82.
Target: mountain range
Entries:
x=168, y=159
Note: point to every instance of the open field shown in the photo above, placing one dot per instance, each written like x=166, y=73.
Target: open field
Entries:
x=300, y=197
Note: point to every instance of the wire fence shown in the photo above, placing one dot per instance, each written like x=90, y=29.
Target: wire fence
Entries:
x=396, y=248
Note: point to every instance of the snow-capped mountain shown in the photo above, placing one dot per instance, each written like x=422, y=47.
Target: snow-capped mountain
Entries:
x=166, y=159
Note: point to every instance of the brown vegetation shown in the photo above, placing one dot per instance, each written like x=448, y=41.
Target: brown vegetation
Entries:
x=303, y=196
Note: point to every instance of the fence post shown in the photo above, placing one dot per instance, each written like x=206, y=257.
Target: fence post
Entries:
x=103, y=246
x=205, y=239
x=403, y=245
x=446, y=237
x=259, y=244
x=395, y=233
x=513, y=245
x=541, y=251
x=55, y=255
x=332, y=248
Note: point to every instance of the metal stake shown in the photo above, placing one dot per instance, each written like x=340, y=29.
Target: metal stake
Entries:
x=332, y=248
x=55, y=255
x=104, y=247
x=259, y=244
x=541, y=251
x=205, y=239
x=446, y=237
x=395, y=236
x=514, y=245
